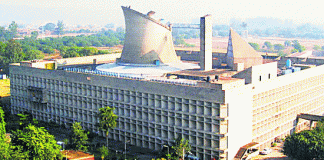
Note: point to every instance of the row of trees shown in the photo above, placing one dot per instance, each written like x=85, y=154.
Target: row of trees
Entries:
x=29, y=140
x=30, y=48
x=279, y=48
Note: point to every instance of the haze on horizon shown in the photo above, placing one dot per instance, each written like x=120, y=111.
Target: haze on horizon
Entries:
x=176, y=11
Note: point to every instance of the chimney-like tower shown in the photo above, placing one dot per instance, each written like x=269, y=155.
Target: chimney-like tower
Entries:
x=206, y=30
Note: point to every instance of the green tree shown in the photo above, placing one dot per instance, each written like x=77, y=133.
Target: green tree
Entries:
x=278, y=47
x=26, y=119
x=282, y=54
x=13, y=52
x=255, y=46
x=298, y=46
x=104, y=152
x=4, y=145
x=181, y=147
x=306, y=145
x=37, y=142
x=317, y=47
x=294, y=51
x=2, y=126
x=60, y=27
x=268, y=45
x=34, y=35
x=287, y=43
x=107, y=120
x=79, y=137
x=49, y=27
x=13, y=29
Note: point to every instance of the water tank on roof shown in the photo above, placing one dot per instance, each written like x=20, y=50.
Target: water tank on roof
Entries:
x=288, y=63
x=288, y=71
x=296, y=69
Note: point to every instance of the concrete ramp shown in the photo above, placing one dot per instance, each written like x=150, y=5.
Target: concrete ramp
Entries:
x=243, y=150
x=310, y=117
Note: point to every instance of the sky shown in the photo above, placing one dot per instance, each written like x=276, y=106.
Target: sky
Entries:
x=176, y=11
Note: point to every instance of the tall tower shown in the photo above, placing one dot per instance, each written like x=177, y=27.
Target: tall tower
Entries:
x=206, y=33
x=147, y=40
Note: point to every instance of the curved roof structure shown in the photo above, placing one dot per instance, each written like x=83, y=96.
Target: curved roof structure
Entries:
x=146, y=40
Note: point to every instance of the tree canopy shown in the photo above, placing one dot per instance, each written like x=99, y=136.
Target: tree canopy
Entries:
x=255, y=46
x=60, y=27
x=13, y=29
x=37, y=142
x=181, y=147
x=79, y=137
x=306, y=145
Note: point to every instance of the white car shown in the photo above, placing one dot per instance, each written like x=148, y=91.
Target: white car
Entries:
x=266, y=151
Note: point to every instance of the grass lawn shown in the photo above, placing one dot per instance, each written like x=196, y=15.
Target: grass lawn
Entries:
x=4, y=87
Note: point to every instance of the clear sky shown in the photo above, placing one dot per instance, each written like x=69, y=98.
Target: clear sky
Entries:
x=175, y=11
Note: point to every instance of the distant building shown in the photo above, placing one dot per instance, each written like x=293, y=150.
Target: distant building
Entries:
x=242, y=102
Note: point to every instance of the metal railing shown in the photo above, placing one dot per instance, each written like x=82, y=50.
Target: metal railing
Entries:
x=134, y=76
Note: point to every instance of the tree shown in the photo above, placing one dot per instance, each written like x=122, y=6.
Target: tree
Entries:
x=2, y=126
x=79, y=137
x=4, y=145
x=255, y=46
x=107, y=120
x=306, y=145
x=278, y=47
x=13, y=29
x=34, y=35
x=181, y=147
x=317, y=47
x=268, y=45
x=287, y=43
x=26, y=119
x=282, y=54
x=104, y=151
x=49, y=27
x=13, y=52
x=60, y=27
x=298, y=46
x=37, y=142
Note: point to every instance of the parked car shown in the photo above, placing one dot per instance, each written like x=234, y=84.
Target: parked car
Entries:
x=266, y=151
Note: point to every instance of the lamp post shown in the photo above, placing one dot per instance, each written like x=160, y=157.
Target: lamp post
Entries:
x=125, y=147
x=168, y=149
x=183, y=151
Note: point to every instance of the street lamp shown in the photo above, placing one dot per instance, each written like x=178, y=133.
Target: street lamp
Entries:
x=125, y=147
x=168, y=149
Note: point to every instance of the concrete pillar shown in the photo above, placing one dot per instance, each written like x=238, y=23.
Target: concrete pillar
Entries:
x=206, y=30
x=311, y=124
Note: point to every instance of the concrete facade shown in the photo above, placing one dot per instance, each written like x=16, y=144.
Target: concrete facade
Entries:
x=150, y=113
x=217, y=116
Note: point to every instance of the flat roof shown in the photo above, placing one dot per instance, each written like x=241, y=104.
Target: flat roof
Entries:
x=144, y=69
x=201, y=73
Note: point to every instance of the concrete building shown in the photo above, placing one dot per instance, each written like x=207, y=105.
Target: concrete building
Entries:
x=243, y=101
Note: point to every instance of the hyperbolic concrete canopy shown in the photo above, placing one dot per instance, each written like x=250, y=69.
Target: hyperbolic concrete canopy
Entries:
x=146, y=40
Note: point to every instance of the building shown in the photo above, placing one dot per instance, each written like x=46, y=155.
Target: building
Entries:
x=241, y=101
